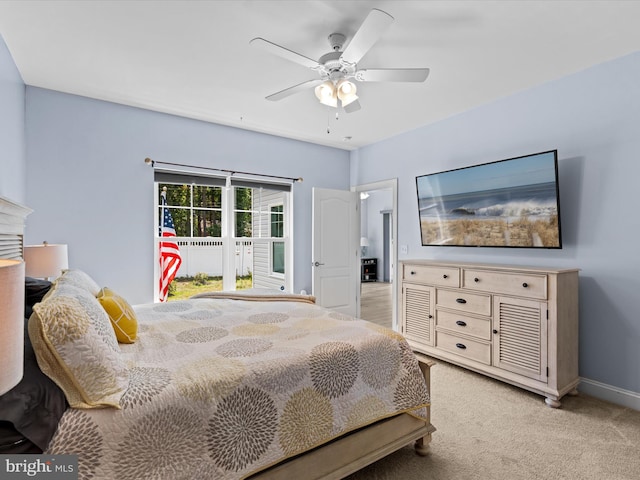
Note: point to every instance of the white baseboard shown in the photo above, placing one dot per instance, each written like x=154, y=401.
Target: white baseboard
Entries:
x=612, y=394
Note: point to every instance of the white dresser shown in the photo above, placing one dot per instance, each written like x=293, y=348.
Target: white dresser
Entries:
x=516, y=324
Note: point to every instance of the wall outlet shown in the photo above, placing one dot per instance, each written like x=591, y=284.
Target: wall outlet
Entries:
x=404, y=249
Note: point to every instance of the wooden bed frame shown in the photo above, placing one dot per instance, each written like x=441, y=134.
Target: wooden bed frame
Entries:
x=356, y=450
x=333, y=460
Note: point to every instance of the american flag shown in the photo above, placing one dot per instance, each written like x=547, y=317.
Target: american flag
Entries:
x=170, y=259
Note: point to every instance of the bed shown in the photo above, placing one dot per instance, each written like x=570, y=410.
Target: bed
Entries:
x=225, y=385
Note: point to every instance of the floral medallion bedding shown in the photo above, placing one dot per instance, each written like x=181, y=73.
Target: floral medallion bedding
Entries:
x=222, y=388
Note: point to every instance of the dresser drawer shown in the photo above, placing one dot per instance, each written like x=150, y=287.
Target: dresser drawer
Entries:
x=480, y=352
x=521, y=284
x=477, y=327
x=432, y=275
x=464, y=301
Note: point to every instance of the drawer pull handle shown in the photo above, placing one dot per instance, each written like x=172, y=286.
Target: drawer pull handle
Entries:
x=413, y=273
x=461, y=300
x=430, y=316
x=525, y=284
x=461, y=346
x=445, y=276
x=476, y=279
x=461, y=323
x=495, y=332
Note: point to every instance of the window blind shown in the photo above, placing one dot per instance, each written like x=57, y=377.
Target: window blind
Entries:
x=186, y=178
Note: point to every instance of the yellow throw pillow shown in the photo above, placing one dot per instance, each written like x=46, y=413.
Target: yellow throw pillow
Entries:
x=123, y=318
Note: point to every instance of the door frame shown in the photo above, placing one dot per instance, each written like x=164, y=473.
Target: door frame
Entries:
x=385, y=185
x=387, y=242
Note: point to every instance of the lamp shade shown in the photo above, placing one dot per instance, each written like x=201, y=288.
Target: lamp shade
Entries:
x=364, y=242
x=346, y=92
x=326, y=93
x=11, y=323
x=46, y=260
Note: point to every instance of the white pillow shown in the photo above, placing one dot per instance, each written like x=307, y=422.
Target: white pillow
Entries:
x=76, y=347
x=79, y=279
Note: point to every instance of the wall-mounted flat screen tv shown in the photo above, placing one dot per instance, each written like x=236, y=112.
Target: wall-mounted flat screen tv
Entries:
x=508, y=203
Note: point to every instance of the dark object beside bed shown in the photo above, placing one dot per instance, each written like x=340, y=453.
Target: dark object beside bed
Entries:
x=30, y=412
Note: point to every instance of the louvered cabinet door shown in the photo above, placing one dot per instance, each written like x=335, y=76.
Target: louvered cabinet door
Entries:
x=520, y=336
x=417, y=316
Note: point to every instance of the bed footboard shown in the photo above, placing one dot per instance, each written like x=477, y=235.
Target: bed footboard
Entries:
x=354, y=451
x=422, y=443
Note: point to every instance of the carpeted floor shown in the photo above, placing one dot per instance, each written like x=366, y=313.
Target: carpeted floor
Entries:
x=489, y=430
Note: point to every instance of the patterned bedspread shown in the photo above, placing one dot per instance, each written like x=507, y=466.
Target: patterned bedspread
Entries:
x=220, y=388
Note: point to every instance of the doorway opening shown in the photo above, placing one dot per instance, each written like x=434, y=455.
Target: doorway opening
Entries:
x=378, y=230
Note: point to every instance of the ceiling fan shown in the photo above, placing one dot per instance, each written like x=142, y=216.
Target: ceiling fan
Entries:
x=337, y=68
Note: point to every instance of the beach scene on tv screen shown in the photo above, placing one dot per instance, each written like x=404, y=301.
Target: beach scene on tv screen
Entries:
x=511, y=203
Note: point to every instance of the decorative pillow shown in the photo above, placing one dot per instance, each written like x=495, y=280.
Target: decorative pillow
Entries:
x=123, y=318
x=76, y=347
x=79, y=279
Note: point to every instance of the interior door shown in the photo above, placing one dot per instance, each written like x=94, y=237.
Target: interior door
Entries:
x=336, y=249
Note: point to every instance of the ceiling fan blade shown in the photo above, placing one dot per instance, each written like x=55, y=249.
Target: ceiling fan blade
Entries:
x=352, y=107
x=367, y=35
x=284, y=52
x=295, y=89
x=392, y=75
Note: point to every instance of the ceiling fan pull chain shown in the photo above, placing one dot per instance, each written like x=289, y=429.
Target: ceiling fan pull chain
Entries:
x=328, y=121
x=336, y=68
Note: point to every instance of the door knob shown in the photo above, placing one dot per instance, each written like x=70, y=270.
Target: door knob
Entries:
x=317, y=264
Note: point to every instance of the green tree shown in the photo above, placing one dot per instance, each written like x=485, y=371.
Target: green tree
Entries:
x=207, y=213
x=177, y=195
x=206, y=222
x=244, y=214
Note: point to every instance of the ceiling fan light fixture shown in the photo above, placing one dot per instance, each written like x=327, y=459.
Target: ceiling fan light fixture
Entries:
x=337, y=67
x=346, y=92
x=326, y=93
x=345, y=87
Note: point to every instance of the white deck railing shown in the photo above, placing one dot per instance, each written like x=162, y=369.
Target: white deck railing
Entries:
x=204, y=255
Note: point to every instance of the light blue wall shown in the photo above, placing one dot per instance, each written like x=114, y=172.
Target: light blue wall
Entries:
x=593, y=119
x=12, y=138
x=89, y=186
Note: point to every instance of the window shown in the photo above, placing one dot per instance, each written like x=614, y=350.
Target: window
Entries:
x=277, y=247
x=244, y=212
x=196, y=209
x=259, y=215
x=237, y=234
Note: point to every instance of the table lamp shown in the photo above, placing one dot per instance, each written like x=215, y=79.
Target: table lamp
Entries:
x=46, y=260
x=364, y=243
x=11, y=323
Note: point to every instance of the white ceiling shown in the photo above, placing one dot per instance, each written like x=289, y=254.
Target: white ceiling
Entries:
x=193, y=58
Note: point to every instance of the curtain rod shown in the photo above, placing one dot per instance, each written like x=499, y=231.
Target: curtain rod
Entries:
x=148, y=161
